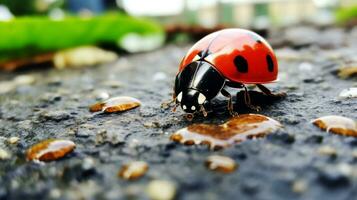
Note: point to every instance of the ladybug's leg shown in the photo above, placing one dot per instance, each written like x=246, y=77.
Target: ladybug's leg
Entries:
x=230, y=102
x=247, y=100
x=269, y=93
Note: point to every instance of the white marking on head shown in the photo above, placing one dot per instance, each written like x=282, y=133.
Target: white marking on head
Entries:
x=179, y=97
x=184, y=107
x=193, y=108
x=201, y=98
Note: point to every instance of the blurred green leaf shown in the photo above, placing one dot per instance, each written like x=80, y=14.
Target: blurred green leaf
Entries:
x=344, y=15
x=25, y=35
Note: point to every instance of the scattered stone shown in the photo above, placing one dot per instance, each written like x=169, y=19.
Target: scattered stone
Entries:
x=347, y=71
x=327, y=151
x=348, y=93
x=55, y=115
x=299, y=186
x=49, y=150
x=13, y=140
x=154, y=124
x=24, y=80
x=161, y=190
x=337, y=124
x=55, y=193
x=82, y=56
x=114, y=138
x=238, y=129
x=4, y=155
x=133, y=170
x=221, y=163
x=115, y=104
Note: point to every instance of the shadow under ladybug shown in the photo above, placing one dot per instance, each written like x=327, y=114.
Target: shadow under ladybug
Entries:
x=260, y=100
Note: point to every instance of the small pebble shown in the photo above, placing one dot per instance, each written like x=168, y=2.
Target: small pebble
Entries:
x=161, y=190
x=4, y=155
x=24, y=80
x=337, y=124
x=115, y=104
x=221, y=163
x=13, y=140
x=348, y=93
x=133, y=170
x=49, y=150
x=347, y=72
x=55, y=115
x=299, y=186
x=327, y=151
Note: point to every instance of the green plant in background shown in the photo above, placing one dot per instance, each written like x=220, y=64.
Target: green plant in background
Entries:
x=36, y=34
x=346, y=15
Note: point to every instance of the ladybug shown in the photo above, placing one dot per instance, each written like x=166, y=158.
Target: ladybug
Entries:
x=226, y=58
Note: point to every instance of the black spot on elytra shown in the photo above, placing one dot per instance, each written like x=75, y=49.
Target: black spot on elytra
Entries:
x=259, y=41
x=270, y=63
x=241, y=64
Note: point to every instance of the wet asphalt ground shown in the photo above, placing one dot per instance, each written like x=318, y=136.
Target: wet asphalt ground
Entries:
x=298, y=162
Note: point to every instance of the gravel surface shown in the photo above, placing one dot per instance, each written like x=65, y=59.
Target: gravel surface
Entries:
x=298, y=162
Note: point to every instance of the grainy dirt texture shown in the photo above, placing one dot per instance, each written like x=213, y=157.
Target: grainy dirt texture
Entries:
x=298, y=162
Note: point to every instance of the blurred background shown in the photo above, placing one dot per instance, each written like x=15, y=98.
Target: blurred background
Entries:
x=36, y=32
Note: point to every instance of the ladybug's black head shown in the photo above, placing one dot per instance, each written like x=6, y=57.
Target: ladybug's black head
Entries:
x=191, y=100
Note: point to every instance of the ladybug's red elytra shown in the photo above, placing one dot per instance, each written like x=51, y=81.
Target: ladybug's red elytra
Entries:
x=226, y=58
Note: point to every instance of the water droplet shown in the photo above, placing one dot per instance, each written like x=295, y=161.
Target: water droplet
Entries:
x=133, y=170
x=49, y=150
x=237, y=129
x=115, y=104
x=349, y=93
x=161, y=190
x=221, y=163
x=337, y=124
